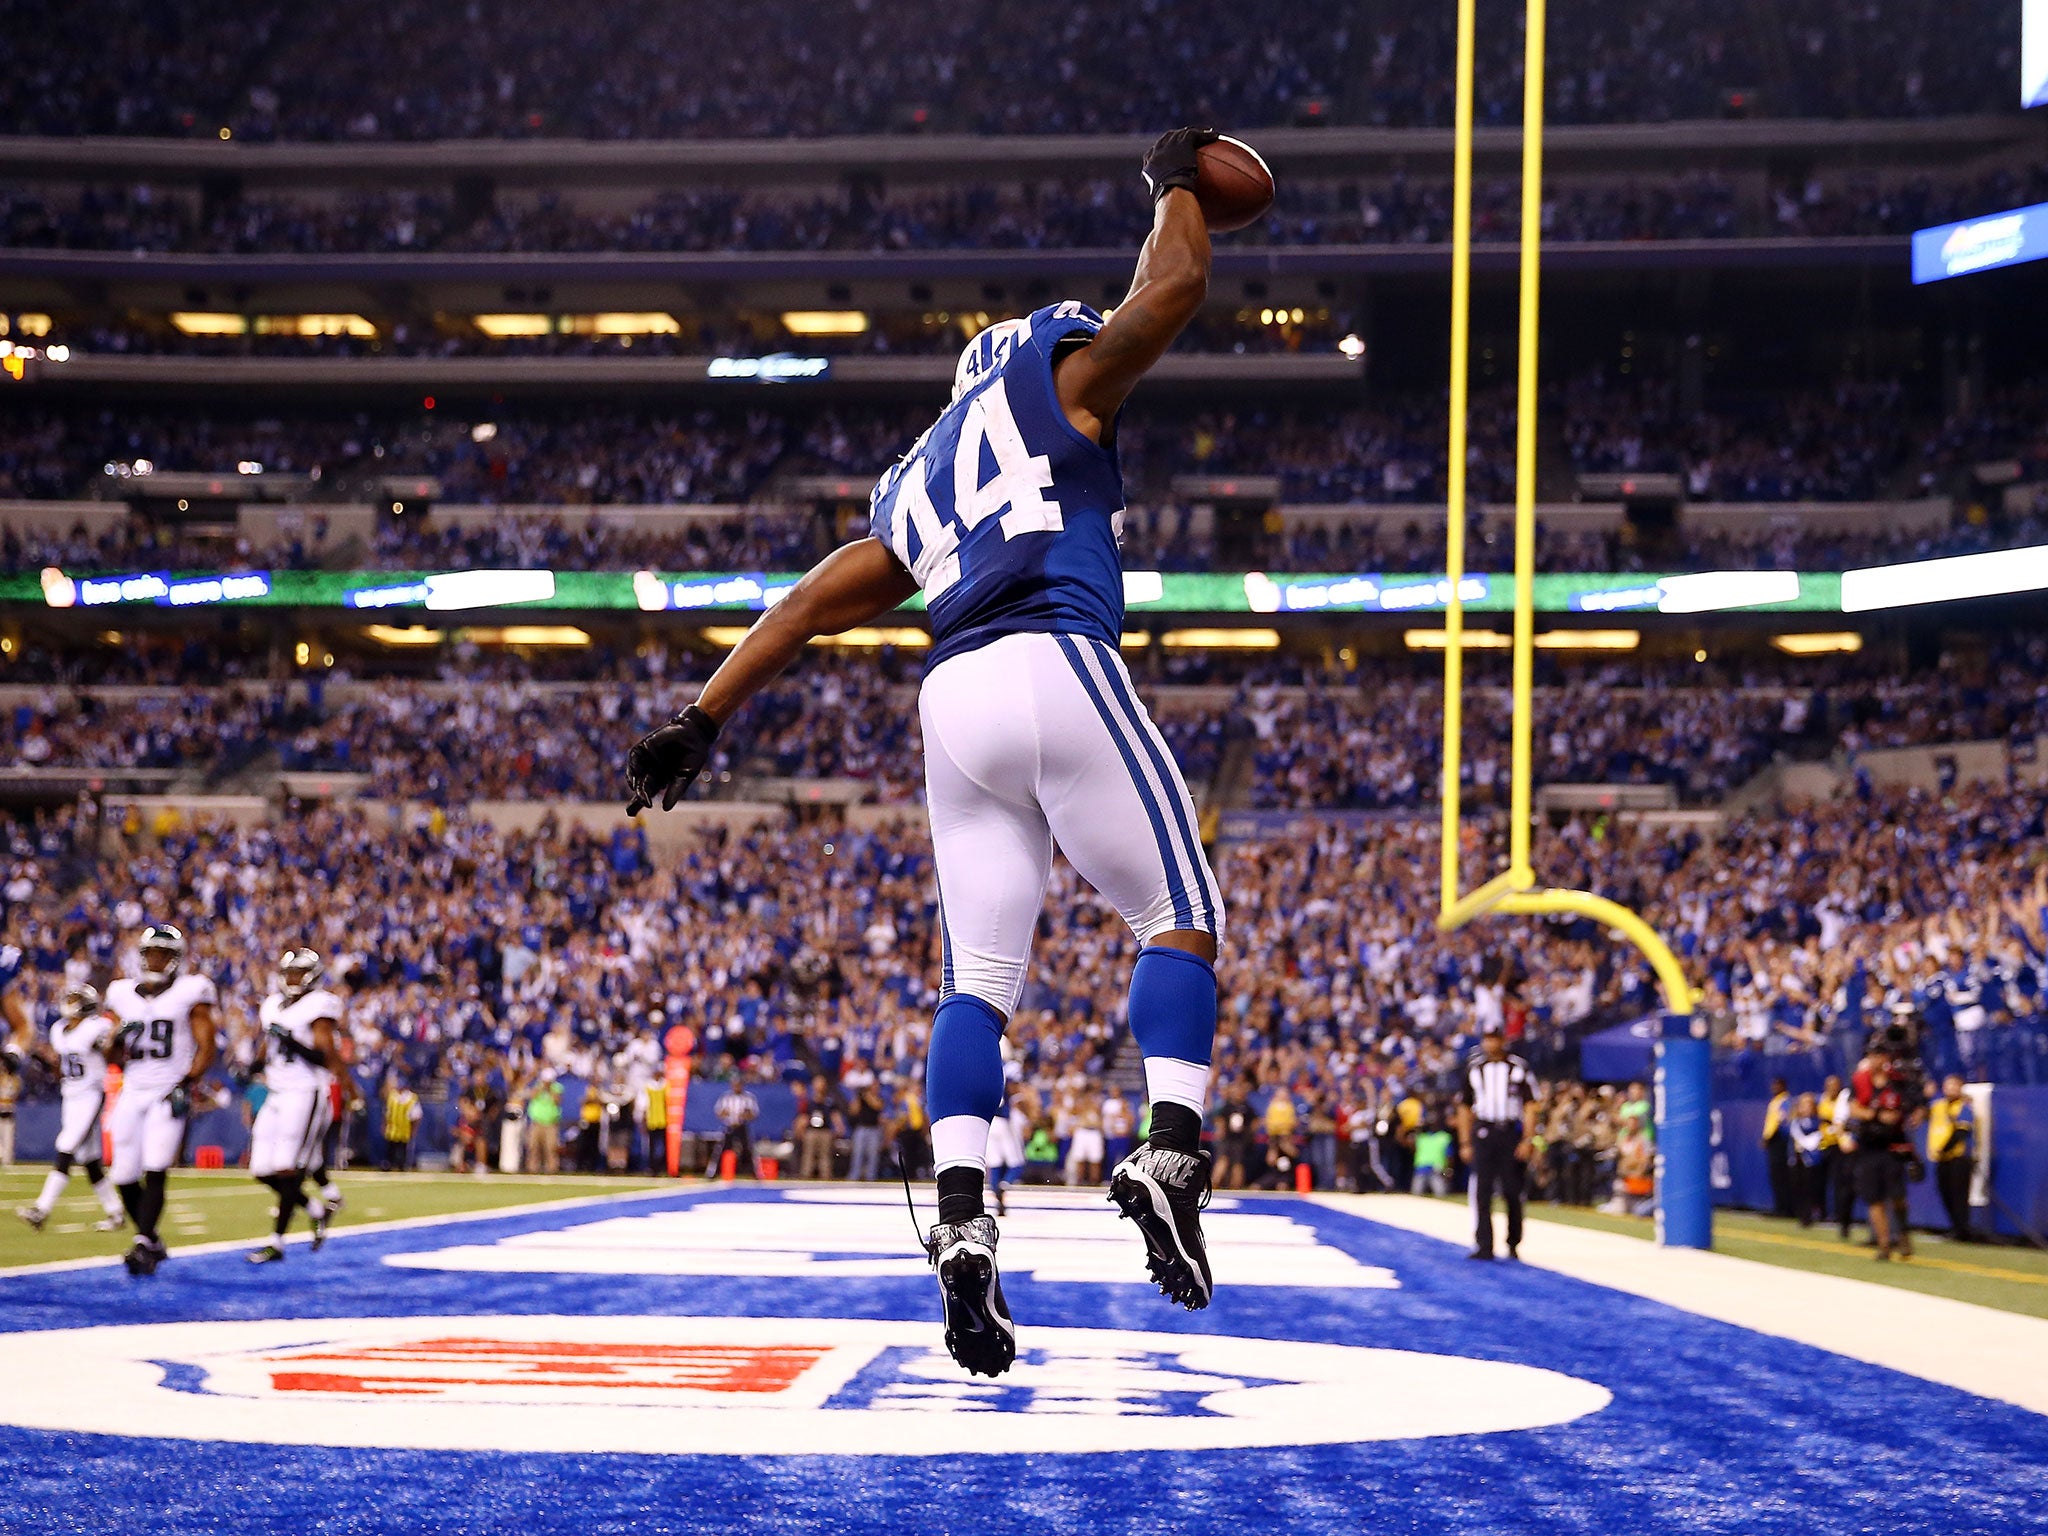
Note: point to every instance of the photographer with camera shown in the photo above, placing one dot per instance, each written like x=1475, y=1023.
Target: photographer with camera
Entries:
x=1888, y=1098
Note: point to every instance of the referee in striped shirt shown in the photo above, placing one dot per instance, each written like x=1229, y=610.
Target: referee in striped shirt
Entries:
x=736, y=1109
x=1496, y=1120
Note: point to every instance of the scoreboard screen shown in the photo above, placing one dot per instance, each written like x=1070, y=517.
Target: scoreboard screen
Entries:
x=1977, y=245
x=2034, y=53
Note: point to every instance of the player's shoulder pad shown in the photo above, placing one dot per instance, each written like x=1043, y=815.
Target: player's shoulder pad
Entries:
x=268, y=1010
x=195, y=990
x=121, y=991
x=1056, y=322
x=326, y=1004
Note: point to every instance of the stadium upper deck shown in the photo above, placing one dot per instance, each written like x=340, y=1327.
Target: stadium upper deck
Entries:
x=413, y=70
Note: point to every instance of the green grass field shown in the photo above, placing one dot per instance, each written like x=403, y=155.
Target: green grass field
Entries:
x=230, y=1206
x=2011, y=1279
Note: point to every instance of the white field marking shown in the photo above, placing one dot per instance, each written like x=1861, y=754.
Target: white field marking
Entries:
x=752, y=1386
x=33, y=1175
x=235, y=1244
x=2002, y=1355
x=802, y=1235
x=1038, y=1197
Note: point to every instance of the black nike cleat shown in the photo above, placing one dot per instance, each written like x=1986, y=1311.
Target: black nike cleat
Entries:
x=979, y=1333
x=144, y=1256
x=1165, y=1192
x=270, y=1253
x=320, y=1229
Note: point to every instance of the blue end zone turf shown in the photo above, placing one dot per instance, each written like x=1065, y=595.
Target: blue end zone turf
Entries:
x=1710, y=1428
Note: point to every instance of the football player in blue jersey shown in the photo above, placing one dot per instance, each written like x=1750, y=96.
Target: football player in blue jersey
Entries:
x=1007, y=514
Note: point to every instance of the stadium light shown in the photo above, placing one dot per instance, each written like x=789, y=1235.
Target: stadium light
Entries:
x=1712, y=591
x=1549, y=640
x=1819, y=643
x=1589, y=640
x=502, y=327
x=825, y=322
x=314, y=325
x=1222, y=639
x=623, y=323
x=867, y=638
x=526, y=634
x=1993, y=574
x=391, y=634
x=207, y=323
x=1470, y=640
x=488, y=589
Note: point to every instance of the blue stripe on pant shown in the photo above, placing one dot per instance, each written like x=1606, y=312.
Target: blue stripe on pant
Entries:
x=1112, y=668
x=1183, y=909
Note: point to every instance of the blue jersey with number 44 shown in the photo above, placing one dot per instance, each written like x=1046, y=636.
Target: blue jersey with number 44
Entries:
x=1007, y=516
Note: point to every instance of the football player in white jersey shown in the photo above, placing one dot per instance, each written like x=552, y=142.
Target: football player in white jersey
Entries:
x=1007, y=515
x=77, y=1048
x=301, y=1058
x=167, y=1036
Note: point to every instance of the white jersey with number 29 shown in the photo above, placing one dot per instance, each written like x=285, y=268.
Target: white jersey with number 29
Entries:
x=156, y=1030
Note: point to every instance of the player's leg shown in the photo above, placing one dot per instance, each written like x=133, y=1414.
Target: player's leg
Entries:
x=311, y=1163
x=1121, y=813
x=273, y=1146
x=124, y=1125
x=1511, y=1196
x=38, y=1211
x=103, y=1189
x=71, y=1129
x=1485, y=1174
x=993, y=853
x=1005, y=1158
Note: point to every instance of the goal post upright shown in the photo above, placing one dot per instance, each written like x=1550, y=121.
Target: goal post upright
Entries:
x=1682, y=1108
x=1454, y=469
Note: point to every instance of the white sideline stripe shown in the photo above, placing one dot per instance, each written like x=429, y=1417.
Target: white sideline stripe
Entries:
x=398, y=1224
x=2002, y=1355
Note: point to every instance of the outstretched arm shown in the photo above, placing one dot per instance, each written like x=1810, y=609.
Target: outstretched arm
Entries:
x=854, y=584
x=1167, y=290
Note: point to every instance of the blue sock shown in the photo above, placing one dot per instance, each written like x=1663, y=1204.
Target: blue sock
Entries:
x=963, y=1084
x=1173, y=1019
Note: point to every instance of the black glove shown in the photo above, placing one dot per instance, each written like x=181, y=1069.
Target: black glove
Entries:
x=667, y=760
x=1173, y=160
x=181, y=1100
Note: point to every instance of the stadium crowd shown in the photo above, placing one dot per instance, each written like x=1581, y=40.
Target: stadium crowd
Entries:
x=1851, y=443
x=500, y=968
x=1360, y=737
x=1051, y=214
x=519, y=68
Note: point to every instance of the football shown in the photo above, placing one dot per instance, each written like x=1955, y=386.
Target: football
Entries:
x=1235, y=188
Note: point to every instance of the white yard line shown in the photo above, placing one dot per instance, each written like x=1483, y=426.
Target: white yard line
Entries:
x=231, y=1245
x=1996, y=1354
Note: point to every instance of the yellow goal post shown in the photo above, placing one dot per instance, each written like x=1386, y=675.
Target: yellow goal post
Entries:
x=1683, y=1196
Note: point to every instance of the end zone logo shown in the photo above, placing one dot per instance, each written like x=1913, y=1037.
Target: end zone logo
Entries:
x=749, y=1386
x=462, y=1367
